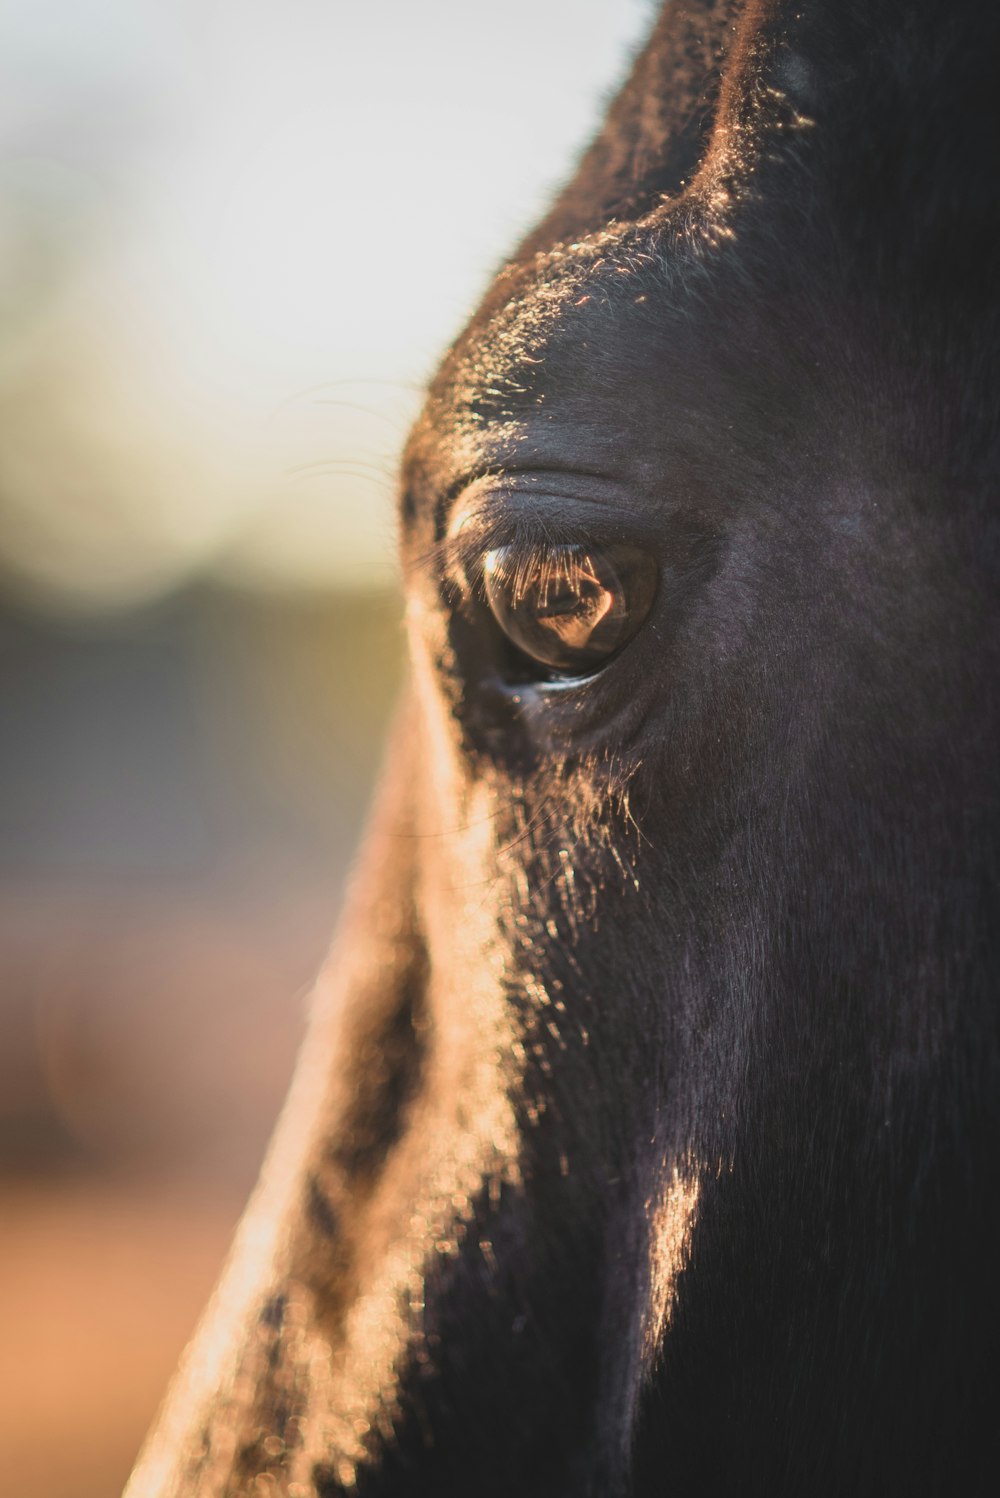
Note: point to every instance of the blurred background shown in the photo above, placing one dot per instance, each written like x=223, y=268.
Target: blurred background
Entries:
x=234, y=236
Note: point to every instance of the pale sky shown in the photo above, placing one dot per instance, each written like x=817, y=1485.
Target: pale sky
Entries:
x=234, y=236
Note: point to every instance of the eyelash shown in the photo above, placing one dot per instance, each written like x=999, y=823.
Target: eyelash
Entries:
x=456, y=562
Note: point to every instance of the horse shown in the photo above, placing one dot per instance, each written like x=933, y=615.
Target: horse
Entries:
x=644, y=1134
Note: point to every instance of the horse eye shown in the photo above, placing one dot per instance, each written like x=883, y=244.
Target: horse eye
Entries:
x=569, y=608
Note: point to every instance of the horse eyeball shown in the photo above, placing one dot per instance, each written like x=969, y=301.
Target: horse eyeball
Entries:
x=569, y=608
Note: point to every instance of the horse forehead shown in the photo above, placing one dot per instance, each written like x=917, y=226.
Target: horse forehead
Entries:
x=798, y=264
x=623, y=355
x=589, y=337
x=558, y=302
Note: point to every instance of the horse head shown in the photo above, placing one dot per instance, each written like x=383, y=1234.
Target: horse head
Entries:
x=643, y=1135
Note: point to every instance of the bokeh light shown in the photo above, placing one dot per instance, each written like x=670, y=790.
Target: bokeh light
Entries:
x=235, y=238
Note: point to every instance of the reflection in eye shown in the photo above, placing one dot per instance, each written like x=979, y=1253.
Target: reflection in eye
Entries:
x=569, y=607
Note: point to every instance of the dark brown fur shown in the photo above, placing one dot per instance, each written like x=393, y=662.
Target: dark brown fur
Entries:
x=647, y=1132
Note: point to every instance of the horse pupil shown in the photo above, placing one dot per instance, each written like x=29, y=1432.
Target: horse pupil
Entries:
x=565, y=602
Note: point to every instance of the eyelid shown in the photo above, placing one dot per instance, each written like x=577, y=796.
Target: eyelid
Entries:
x=487, y=509
x=570, y=497
x=490, y=522
x=502, y=510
